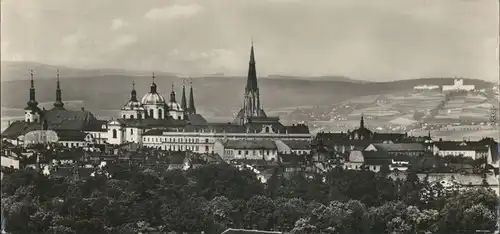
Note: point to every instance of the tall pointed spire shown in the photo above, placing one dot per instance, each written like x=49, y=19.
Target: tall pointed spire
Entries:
x=362, y=122
x=192, y=108
x=252, y=73
x=58, y=103
x=32, y=101
x=153, y=85
x=183, y=98
x=172, y=94
x=133, y=93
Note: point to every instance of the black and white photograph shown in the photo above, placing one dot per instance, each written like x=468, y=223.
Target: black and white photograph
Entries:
x=250, y=116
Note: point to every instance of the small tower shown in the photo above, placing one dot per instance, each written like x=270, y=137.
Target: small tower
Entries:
x=58, y=104
x=362, y=122
x=32, y=112
x=192, y=108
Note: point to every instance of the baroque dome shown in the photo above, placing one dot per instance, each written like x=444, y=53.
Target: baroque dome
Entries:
x=133, y=105
x=152, y=99
x=174, y=106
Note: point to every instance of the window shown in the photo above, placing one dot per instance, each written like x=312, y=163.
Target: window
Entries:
x=132, y=116
x=151, y=113
x=267, y=129
x=160, y=116
x=123, y=116
x=178, y=117
x=206, y=140
x=114, y=133
x=267, y=152
x=239, y=151
x=139, y=116
x=206, y=148
x=246, y=152
x=131, y=131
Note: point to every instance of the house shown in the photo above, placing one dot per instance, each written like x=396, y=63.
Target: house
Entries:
x=246, y=149
x=293, y=146
x=471, y=149
x=356, y=160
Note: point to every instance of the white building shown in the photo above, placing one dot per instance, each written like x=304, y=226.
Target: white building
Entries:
x=458, y=85
x=474, y=150
x=247, y=149
x=426, y=88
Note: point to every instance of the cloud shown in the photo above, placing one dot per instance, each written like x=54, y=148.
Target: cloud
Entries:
x=123, y=41
x=118, y=23
x=73, y=39
x=172, y=12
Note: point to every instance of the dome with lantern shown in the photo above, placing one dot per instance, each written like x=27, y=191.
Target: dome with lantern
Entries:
x=173, y=105
x=153, y=97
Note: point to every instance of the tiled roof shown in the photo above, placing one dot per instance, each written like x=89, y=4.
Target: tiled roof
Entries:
x=356, y=156
x=70, y=135
x=19, y=128
x=95, y=126
x=376, y=158
x=149, y=122
x=250, y=144
x=196, y=119
x=68, y=119
x=292, y=158
x=298, y=144
x=400, y=147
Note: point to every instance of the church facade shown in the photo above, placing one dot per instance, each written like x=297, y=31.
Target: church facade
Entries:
x=153, y=121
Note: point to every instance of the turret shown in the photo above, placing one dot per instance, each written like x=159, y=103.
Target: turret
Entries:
x=183, y=98
x=32, y=112
x=192, y=108
x=58, y=104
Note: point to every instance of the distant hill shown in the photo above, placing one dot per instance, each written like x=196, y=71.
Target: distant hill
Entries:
x=104, y=90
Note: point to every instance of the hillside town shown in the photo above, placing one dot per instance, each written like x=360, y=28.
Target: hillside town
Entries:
x=154, y=133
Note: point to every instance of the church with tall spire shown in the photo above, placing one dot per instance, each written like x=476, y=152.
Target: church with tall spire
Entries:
x=251, y=100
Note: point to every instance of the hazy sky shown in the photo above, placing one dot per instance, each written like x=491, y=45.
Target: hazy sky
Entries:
x=364, y=39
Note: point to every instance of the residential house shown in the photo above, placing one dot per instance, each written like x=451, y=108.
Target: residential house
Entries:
x=247, y=149
x=293, y=146
x=471, y=149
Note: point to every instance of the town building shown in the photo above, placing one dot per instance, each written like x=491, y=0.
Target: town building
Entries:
x=458, y=85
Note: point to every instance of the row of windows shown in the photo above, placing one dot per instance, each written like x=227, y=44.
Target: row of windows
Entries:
x=184, y=147
x=267, y=152
x=180, y=140
x=151, y=113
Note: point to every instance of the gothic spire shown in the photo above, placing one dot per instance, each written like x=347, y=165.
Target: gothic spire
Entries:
x=133, y=93
x=58, y=103
x=183, y=99
x=32, y=101
x=172, y=94
x=153, y=85
x=192, y=108
x=252, y=73
x=362, y=122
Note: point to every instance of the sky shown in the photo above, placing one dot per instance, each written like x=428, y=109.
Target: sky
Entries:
x=378, y=40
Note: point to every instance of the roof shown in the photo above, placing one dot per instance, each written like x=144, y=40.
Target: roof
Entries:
x=376, y=158
x=149, y=122
x=250, y=144
x=245, y=231
x=95, y=126
x=68, y=119
x=19, y=128
x=70, y=135
x=400, y=147
x=196, y=119
x=464, y=145
x=356, y=156
x=298, y=144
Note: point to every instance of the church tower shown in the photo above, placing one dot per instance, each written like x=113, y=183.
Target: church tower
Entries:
x=32, y=112
x=58, y=104
x=183, y=100
x=192, y=108
x=251, y=103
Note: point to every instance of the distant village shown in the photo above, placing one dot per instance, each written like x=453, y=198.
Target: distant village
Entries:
x=168, y=134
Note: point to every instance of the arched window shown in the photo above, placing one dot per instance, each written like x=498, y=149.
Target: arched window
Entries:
x=160, y=114
x=123, y=116
x=267, y=129
x=131, y=131
x=151, y=113
x=139, y=116
x=132, y=116
x=179, y=117
x=114, y=133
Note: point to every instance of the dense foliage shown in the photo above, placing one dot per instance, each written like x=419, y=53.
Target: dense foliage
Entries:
x=214, y=197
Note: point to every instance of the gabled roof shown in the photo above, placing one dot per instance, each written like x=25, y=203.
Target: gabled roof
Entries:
x=196, y=119
x=250, y=144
